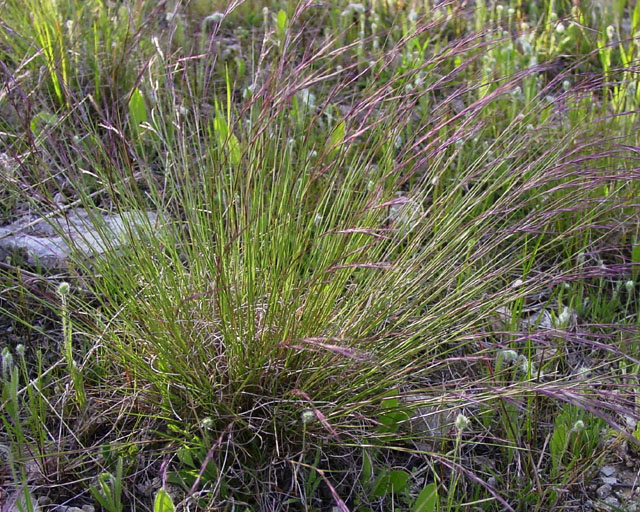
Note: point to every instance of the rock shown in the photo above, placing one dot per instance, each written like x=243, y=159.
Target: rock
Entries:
x=49, y=243
x=607, y=470
x=603, y=491
x=434, y=421
x=612, y=501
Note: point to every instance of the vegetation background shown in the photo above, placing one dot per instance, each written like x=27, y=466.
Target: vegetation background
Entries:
x=379, y=255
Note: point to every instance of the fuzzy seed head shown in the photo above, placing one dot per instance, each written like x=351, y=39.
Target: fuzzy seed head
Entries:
x=563, y=318
x=462, y=422
x=611, y=31
x=63, y=289
x=508, y=355
x=7, y=361
x=353, y=8
x=215, y=17
x=308, y=98
x=307, y=416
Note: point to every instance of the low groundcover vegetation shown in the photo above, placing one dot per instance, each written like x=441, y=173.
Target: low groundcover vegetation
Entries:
x=367, y=256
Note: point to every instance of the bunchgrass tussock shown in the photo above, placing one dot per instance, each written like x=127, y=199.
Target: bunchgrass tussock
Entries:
x=386, y=242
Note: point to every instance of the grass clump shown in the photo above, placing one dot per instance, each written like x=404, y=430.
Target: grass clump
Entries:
x=383, y=267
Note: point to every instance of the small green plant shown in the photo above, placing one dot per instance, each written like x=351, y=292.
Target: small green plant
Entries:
x=67, y=340
x=108, y=491
x=18, y=450
x=574, y=435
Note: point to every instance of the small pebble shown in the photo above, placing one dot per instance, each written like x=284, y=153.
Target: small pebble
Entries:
x=603, y=491
x=607, y=470
x=612, y=501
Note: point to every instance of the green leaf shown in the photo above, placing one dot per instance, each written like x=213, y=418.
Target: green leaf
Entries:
x=389, y=403
x=392, y=415
x=367, y=467
x=163, y=502
x=427, y=499
x=184, y=455
x=635, y=23
x=227, y=139
x=380, y=486
x=388, y=481
x=337, y=137
x=635, y=252
x=558, y=444
x=636, y=432
x=42, y=120
x=281, y=22
x=137, y=109
x=398, y=480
